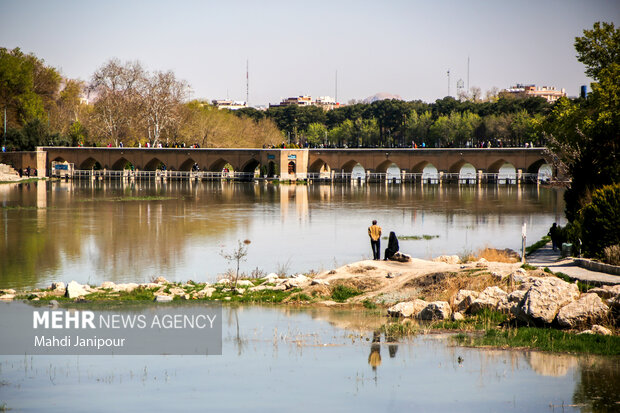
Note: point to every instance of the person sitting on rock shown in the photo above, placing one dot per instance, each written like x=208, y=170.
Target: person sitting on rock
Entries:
x=392, y=252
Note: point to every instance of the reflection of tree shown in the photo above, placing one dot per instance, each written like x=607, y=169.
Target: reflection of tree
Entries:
x=128, y=236
x=599, y=384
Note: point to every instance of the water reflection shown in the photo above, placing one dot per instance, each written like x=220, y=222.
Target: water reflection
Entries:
x=555, y=365
x=283, y=356
x=93, y=231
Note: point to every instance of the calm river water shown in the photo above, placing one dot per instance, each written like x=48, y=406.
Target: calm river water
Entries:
x=314, y=360
x=131, y=232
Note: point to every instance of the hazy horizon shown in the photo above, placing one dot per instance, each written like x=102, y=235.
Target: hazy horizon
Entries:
x=400, y=47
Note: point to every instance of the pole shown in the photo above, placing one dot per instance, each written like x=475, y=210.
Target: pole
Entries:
x=4, y=145
x=523, y=238
x=336, y=88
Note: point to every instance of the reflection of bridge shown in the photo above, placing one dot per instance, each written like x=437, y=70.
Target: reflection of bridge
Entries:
x=300, y=163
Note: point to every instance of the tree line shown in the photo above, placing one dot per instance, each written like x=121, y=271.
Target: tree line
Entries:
x=502, y=119
x=128, y=105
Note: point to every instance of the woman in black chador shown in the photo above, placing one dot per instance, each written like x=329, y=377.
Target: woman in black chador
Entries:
x=392, y=247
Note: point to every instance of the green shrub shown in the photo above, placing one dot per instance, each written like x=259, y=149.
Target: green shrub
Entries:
x=600, y=221
x=369, y=304
x=342, y=293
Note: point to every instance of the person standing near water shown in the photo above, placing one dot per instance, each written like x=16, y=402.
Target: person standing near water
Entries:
x=374, y=232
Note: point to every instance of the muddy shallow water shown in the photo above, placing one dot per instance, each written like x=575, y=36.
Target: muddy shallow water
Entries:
x=314, y=359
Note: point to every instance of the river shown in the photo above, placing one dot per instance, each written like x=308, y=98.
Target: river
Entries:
x=93, y=231
x=310, y=360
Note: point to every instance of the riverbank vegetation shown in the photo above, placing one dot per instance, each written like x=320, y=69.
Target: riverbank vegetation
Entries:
x=584, y=135
x=544, y=339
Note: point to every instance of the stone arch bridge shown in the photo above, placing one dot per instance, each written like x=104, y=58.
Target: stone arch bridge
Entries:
x=300, y=163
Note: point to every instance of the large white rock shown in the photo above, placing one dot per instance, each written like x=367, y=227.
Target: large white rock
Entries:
x=163, y=298
x=448, y=259
x=176, y=291
x=606, y=291
x=271, y=277
x=280, y=287
x=437, y=310
x=108, y=285
x=589, y=309
x=58, y=286
x=458, y=316
x=258, y=288
x=464, y=298
x=544, y=298
x=299, y=281
x=75, y=290
x=129, y=287
x=205, y=292
x=510, y=302
x=407, y=308
x=223, y=281
x=245, y=283
x=488, y=299
x=319, y=282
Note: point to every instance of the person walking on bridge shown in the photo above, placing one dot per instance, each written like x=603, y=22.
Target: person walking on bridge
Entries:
x=374, y=232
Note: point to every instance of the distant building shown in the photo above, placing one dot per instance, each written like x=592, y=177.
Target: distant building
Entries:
x=229, y=104
x=547, y=92
x=325, y=102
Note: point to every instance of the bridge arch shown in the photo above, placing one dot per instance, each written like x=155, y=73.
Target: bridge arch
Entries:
x=319, y=166
x=497, y=165
x=59, y=159
x=534, y=167
x=90, y=163
x=542, y=169
x=218, y=165
x=348, y=166
x=188, y=165
x=457, y=166
x=122, y=164
x=383, y=166
x=250, y=166
x=154, y=164
x=420, y=166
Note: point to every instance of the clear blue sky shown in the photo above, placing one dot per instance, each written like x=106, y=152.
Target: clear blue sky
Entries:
x=294, y=47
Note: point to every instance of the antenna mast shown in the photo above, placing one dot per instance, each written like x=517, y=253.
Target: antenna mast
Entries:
x=247, y=83
x=336, y=89
x=467, y=74
x=448, y=82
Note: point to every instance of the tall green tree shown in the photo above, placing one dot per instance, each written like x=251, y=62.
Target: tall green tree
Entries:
x=28, y=87
x=598, y=48
x=585, y=135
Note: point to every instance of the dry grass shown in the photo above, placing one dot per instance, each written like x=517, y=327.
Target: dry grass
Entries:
x=362, y=269
x=444, y=286
x=495, y=255
x=611, y=254
x=362, y=284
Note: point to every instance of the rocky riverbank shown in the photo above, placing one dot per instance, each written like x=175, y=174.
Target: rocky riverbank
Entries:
x=441, y=289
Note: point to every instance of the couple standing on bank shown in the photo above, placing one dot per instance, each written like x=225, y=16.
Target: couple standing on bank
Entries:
x=391, y=252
